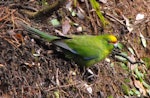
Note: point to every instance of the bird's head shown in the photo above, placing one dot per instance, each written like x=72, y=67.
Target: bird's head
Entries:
x=111, y=39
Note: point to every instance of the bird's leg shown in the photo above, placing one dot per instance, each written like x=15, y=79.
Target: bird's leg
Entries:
x=88, y=74
x=91, y=73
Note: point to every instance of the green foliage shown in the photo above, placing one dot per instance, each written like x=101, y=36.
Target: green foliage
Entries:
x=75, y=3
x=110, y=96
x=120, y=46
x=120, y=58
x=126, y=89
x=147, y=62
x=44, y=3
x=138, y=74
x=96, y=7
x=130, y=92
x=57, y=93
x=124, y=66
x=55, y=22
x=134, y=92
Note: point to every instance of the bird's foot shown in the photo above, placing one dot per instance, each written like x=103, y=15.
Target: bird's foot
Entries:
x=89, y=75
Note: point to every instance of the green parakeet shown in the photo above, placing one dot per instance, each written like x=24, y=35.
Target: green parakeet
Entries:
x=85, y=50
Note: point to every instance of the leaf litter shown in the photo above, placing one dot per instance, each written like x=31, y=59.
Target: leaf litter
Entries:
x=25, y=72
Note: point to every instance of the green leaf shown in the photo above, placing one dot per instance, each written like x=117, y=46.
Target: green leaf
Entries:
x=123, y=65
x=146, y=85
x=122, y=59
x=110, y=96
x=147, y=61
x=138, y=74
x=73, y=13
x=127, y=80
x=75, y=3
x=96, y=7
x=112, y=64
x=55, y=22
x=135, y=92
x=126, y=89
x=120, y=46
x=56, y=93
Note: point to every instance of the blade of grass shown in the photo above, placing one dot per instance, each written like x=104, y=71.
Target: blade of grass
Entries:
x=96, y=7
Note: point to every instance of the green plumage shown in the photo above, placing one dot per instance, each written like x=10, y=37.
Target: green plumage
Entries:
x=85, y=50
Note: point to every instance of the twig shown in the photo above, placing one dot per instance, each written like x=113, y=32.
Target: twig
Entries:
x=57, y=80
x=6, y=16
x=62, y=86
x=10, y=42
x=45, y=11
x=110, y=16
x=128, y=59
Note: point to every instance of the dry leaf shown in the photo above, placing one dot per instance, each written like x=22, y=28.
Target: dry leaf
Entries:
x=65, y=27
x=103, y=1
x=128, y=25
x=143, y=40
x=68, y=6
x=1, y=65
x=88, y=88
x=79, y=29
x=139, y=16
x=140, y=86
x=131, y=50
x=133, y=66
x=80, y=13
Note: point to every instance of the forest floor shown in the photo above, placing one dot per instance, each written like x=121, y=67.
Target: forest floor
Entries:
x=31, y=68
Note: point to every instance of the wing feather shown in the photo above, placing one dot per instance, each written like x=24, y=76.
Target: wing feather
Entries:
x=88, y=47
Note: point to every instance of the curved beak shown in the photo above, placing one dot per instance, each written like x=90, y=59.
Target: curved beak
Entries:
x=116, y=45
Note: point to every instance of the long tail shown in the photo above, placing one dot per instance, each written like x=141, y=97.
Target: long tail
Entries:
x=39, y=33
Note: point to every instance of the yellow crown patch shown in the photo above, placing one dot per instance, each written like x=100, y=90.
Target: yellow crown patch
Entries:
x=113, y=39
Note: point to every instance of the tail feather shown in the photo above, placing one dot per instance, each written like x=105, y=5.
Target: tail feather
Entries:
x=39, y=33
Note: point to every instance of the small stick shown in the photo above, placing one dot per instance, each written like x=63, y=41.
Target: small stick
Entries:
x=128, y=59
